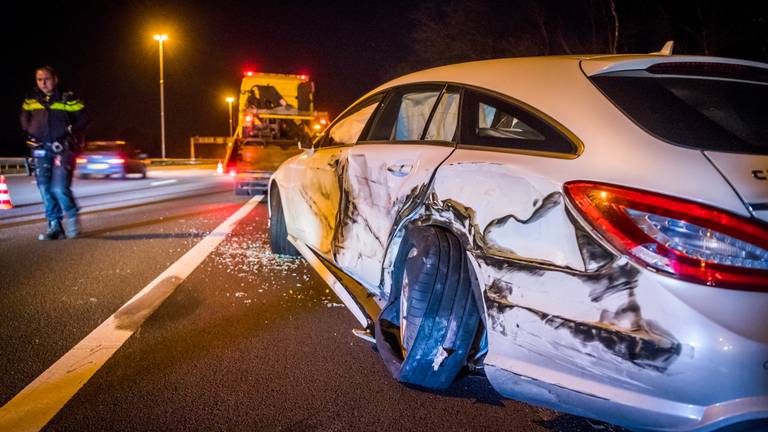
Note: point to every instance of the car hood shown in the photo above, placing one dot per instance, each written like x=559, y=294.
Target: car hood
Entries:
x=748, y=175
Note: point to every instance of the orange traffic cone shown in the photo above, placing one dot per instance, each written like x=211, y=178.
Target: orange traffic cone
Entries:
x=220, y=169
x=5, y=195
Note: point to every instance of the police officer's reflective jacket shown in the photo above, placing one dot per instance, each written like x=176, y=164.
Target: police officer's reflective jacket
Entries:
x=48, y=118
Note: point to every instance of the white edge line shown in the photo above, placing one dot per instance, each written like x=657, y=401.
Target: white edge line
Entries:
x=34, y=406
x=162, y=182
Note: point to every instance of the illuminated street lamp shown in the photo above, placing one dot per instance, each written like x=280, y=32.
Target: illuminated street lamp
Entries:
x=229, y=102
x=160, y=38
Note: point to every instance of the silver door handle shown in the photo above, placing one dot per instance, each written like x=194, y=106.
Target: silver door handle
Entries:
x=400, y=169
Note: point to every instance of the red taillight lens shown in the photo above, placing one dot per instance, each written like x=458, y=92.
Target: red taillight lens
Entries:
x=81, y=160
x=232, y=172
x=684, y=239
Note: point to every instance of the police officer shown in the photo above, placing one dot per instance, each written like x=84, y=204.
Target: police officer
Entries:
x=53, y=119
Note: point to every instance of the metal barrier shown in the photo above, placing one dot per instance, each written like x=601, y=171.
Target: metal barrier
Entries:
x=17, y=165
x=182, y=162
x=13, y=166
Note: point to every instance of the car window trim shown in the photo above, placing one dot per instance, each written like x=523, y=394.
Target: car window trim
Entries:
x=578, y=145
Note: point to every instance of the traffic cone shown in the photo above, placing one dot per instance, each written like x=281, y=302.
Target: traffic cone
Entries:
x=5, y=195
x=220, y=169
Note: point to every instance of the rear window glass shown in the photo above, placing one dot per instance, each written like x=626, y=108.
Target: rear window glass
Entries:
x=702, y=112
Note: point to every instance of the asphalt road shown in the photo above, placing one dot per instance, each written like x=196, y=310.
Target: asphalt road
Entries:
x=248, y=341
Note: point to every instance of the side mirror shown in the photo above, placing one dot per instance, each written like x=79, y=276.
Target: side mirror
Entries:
x=306, y=144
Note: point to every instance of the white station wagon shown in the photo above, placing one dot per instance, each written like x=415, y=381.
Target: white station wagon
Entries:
x=589, y=231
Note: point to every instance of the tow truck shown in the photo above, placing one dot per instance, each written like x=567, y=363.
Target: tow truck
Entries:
x=275, y=115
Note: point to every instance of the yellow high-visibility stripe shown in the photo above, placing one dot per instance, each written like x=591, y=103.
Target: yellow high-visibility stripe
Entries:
x=68, y=106
x=31, y=105
x=72, y=106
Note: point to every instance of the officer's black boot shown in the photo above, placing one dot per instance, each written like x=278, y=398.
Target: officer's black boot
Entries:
x=54, y=231
x=72, y=225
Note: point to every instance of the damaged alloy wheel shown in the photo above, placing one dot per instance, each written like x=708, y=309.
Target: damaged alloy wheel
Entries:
x=278, y=234
x=426, y=330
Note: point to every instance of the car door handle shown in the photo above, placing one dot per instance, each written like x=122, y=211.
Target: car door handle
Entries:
x=400, y=168
x=333, y=161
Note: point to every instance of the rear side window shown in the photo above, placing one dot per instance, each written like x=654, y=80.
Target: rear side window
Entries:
x=719, y=110
x=494, y=122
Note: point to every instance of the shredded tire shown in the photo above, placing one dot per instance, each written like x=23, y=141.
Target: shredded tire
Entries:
x=426, y=330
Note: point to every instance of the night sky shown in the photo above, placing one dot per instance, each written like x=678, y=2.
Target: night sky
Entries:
x=105, y=51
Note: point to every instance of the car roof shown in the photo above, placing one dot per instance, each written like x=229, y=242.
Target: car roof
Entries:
x=498, y=74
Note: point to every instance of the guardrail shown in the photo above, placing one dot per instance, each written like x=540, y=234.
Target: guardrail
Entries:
x=172, y=162
x=13, y=166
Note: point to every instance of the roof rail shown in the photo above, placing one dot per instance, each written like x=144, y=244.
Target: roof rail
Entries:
x=666, y=50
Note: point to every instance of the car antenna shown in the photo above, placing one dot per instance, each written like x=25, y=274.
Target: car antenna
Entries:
x=666, y=50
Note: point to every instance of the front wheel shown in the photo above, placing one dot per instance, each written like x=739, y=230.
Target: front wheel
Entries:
x=430, y=323
x=278, y=234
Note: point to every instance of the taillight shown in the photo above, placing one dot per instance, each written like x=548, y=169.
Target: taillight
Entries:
x=232, y=172
x=116, y=161
x=684, y=239
x=81, y=160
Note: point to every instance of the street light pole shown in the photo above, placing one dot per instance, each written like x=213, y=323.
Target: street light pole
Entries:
x=160, y=38
x=229, y=102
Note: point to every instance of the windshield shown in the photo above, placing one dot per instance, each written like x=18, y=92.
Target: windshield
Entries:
x=707, y=112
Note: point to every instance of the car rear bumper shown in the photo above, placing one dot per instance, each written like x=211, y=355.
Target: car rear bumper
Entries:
x=636, y=411
x=698, y=360
x=111, y=170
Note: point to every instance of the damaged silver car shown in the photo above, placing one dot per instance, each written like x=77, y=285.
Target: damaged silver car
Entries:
x=591, y=232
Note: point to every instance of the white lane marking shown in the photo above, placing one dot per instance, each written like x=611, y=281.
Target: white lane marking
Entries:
x=158, y=183
x=33, y=407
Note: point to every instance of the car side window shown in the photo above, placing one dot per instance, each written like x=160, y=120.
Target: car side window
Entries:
x=405, y=113
x=347, y=130
x=442, y=126
x=413, y=114
x=491, y=121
